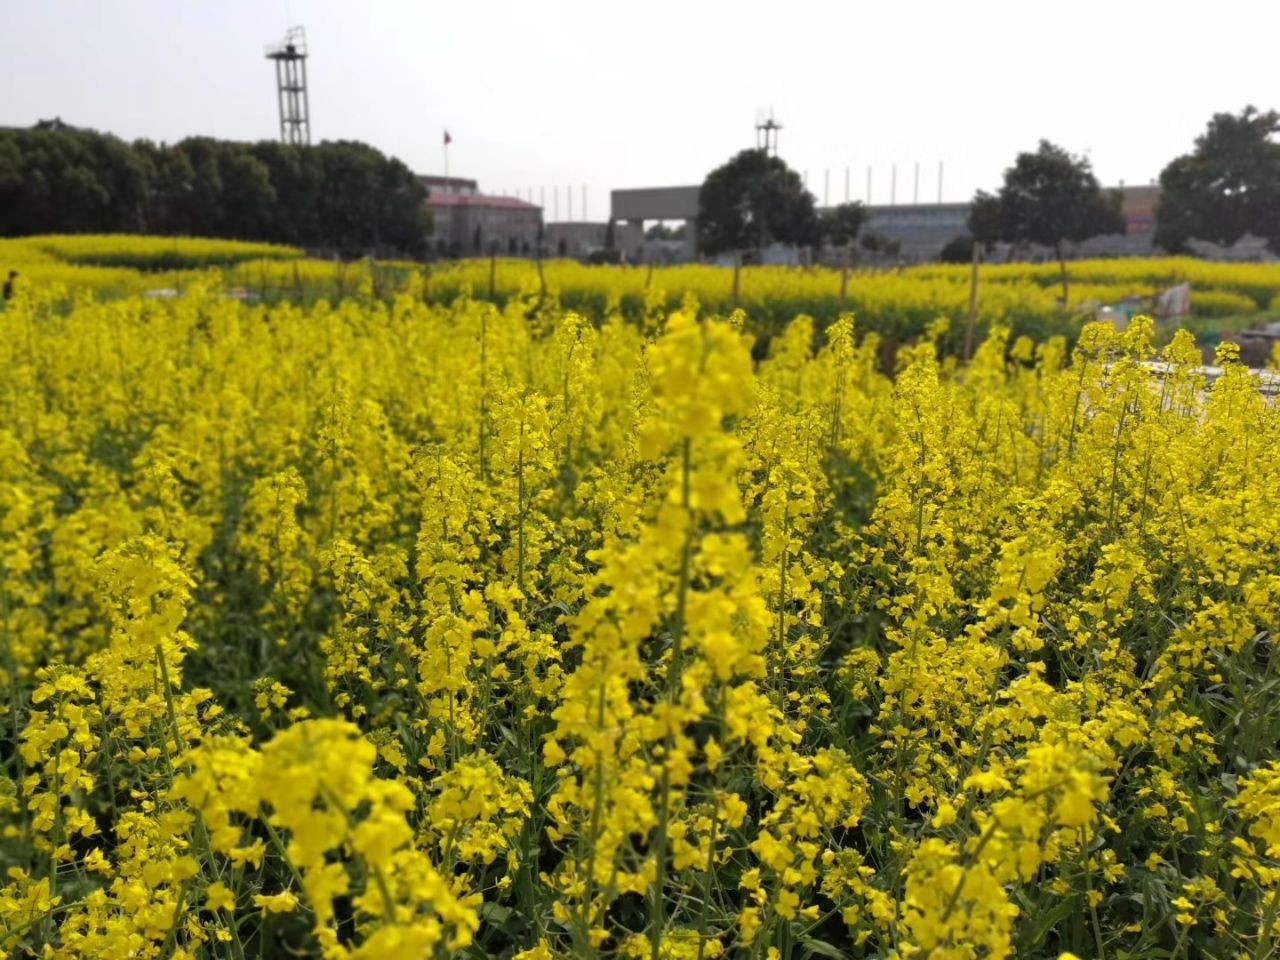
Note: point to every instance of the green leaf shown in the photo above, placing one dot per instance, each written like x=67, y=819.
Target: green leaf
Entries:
x=1047, y=920
x=820, y=948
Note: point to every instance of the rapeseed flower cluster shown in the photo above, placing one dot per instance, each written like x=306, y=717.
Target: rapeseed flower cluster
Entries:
x=395, y=628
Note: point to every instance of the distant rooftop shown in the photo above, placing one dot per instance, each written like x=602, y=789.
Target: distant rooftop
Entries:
x=478, y=200
x=458, y=183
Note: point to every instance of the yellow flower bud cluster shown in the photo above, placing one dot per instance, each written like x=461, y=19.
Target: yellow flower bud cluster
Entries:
x=429, y=626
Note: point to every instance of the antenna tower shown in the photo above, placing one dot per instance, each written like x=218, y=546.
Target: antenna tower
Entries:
x=291, y=87
x=767, y=133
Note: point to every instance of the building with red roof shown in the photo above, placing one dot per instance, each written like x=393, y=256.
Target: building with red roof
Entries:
x=466, y=222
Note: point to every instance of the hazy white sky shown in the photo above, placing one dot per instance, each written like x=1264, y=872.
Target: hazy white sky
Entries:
x=608, y=94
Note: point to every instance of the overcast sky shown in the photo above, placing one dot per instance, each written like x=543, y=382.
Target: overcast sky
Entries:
x=607, y=94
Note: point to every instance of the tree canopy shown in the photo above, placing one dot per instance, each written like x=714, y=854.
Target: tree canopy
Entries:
x=957, y=250
x=752, y=201
x=1050, y=198
x=341, y=195
x=880, y=244
x=1228, y=186
x=839, y=225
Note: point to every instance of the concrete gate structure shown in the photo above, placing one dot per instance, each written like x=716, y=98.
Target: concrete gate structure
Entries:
x=659, y=203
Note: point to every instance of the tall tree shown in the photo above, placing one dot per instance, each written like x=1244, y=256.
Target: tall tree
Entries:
x=248, y=199
x=839, y=225
x=752, y=201
x=1229, y=185
x=60, y=179
x=403, y=220
x=58, y=183
x=297, y=177
x=984, y=219
x=1050, y=198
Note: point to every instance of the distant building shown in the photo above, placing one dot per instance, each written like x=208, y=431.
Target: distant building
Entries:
x=1138, y=206
x=454, y=186
x=637, y=206
x=580, y=239
x=466, y=222
x=921, y=230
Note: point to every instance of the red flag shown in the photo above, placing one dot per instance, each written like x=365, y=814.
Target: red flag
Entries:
x=447, y=139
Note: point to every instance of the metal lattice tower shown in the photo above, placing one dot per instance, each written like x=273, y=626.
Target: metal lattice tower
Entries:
x=291, y=87
x=767, y=133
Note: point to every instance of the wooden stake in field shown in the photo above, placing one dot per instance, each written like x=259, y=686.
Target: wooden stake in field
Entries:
x=973, y=303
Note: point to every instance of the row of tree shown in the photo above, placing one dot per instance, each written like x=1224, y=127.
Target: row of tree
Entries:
x=348, y=196
x=342, y=195
x=1227, y=187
